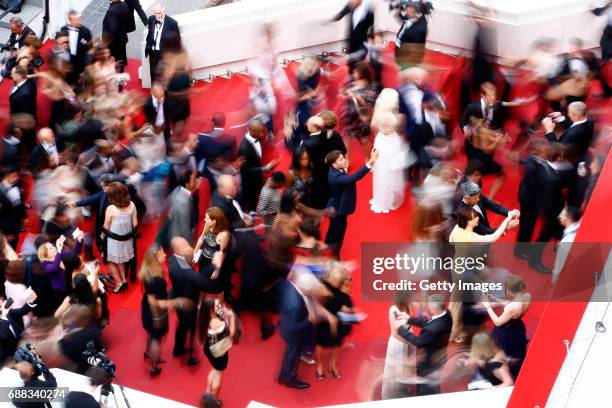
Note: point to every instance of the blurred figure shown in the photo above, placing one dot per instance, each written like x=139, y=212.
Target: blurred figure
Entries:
x=135, y=6
x=182, y=212
x=433, y=340
x=400, y=360
x=606, y=38
x=22, y=98
x=12, y=205
x=115, y=29
x=361, y=21
x=270, y=199
x=412, y=35
x=308, y=79
x=491, y=364
x=394, y=155
x=178, y=80
x=570, y=220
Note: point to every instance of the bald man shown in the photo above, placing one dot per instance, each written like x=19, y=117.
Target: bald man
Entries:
x=252, y=170
x=163, y=35
x=578, y=134
x=315, y=144
x=46, y=153
x=186, y=283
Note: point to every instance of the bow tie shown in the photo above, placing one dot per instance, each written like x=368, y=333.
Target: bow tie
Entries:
x=73, y=29
x=158, y=23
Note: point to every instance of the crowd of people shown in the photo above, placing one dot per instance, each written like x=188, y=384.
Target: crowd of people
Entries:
x=109, y=163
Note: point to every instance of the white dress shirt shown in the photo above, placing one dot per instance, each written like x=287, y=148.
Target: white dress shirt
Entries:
x=159, y=107
x=157, y=34
x=17, y=85
x=51, y=150
x=73, y=37
x=360, y=12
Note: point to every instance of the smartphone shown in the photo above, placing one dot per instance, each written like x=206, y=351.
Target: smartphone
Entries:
x=8, y=303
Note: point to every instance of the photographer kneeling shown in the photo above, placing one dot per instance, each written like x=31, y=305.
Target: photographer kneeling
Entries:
x=30, y=368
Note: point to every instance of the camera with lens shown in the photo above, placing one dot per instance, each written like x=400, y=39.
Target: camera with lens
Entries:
x=422, y=7
x=99, y=360
x=25, y=353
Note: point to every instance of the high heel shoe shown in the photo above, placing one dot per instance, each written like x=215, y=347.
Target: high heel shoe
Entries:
x=320, y=376
x=155, y=371
x=335, y=374
x=121, y=288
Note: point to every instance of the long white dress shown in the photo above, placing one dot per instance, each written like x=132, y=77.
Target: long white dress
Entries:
x=400, y=364
x=388, y=172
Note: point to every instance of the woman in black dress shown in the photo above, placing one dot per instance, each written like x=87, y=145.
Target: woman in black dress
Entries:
x=300, y=175
x=213, y=244
x=491, y=362
x=155, y=305
x=330, y=331
x=216, y=323
x=509, y=331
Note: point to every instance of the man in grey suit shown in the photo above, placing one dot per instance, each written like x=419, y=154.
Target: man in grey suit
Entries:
x=182, y=211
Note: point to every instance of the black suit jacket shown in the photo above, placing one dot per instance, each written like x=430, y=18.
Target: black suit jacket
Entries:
x=357, y=35
x=115, y=24
x=294, y=314
x=186, y=282
x=169, y=30
x=10, y=214
x=343, y=189
x=23, y=100
x=251, y=174
x=83, y=45
x=485, y=204
x=529, y=186
x=135, y=6
x=415, y=34
x=151, y=113
x=474, y=110
x=39, y=156
x=20, y=42
x=433, y=339
x=231, y=213
x=576, y=138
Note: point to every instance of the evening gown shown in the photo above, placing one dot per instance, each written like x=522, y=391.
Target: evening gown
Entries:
x=334, y=303
x=512, y=338
x=209, y=247
x=400, y=363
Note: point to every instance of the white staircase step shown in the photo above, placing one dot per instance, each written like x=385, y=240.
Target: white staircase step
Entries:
x=28, y=13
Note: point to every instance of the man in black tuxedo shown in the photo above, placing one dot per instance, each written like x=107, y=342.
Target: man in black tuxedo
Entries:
x=80, y=42
x=162, y=29
x=315, y=144
x=19, y=32
x=252, y=171
x=578, y=134
x=433, y=340
x=46, y=153
x=473, y=198
x=225, y=199
x=115, y=31
x=343, y=194
x=22, y=98
x=156, y=109
x=361, y=21
x=488, y=108
x=296, y=317
x=135, y=6
x=12, y=208
x=186, y=283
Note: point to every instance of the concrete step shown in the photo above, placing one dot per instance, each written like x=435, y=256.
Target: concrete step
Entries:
x=29, y=12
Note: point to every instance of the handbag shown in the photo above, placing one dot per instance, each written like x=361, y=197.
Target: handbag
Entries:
x=219, y=348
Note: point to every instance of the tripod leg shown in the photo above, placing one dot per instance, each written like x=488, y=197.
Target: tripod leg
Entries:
x=115, y=398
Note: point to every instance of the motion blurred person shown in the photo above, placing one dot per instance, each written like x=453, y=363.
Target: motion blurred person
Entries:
x=570, y=220
x=12, y=205
x=411, y=37
x=361, y=21
x=80, y=43
x=115, y=29
x=28, y=374
x=135, y=6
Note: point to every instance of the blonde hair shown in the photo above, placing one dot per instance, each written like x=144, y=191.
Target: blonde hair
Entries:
x=387, y=101
x=150, y=267
x=385, y=122
x=43, y=251
x=483, y=347
x=337, y=269
x=309, y=67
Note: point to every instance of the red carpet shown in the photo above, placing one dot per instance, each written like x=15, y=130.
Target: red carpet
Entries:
x=254, y=364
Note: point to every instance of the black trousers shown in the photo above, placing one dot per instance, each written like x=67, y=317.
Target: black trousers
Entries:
x=186, y=325
x=551, y=229
x=527, y=222
x=291, y=358
x=154, y=59
x=336, y=231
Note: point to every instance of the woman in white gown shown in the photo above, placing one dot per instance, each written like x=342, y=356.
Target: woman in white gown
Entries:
x=400, y=361
x=394, y=155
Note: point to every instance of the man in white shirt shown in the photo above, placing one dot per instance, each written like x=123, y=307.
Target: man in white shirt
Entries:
x=163, y=33
x=570, y=219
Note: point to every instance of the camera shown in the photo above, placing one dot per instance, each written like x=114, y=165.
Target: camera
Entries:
x=25, y=353
x=422, y=7
x=99, y=360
